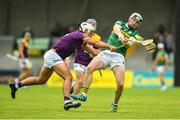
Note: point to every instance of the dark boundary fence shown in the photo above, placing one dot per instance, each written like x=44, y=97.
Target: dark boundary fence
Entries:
x=177, y=45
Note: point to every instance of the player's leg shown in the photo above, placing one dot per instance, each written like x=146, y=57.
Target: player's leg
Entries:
x=24, y=73
x=79, y=81
x=160, y=70
x=119, y=73
x=79, y=71
x=45, y=73
x=161, y=74
x=117, y=64
x=63, y=71
x=96, y=64
x=25, y=69
x=50, y=59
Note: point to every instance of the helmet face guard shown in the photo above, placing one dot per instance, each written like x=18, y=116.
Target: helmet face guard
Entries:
x=137, y=17
x=87, y=28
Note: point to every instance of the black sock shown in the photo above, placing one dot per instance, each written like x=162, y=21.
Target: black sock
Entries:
x=19, y=84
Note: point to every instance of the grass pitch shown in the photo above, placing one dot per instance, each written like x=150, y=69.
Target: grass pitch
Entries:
x=41, y=102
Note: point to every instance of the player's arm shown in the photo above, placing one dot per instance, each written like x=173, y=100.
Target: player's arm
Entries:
x=98, y=44
x=91, y=50
x=154, y=64
x=167, y=61
x=21, y=48
x=119, y=33
x=67, y=61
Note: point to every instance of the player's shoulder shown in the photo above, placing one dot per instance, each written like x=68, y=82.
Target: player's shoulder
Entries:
x=135, y=31
x=79, y=32
x=75, y=34
x=164, y=52
x=120, y=22
x=24, y=40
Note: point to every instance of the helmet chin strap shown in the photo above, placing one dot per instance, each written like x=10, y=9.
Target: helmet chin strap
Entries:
x=88, y=33
x=80, y=28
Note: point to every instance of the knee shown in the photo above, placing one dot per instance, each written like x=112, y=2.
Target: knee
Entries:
x=69, y=77
x=80, y=81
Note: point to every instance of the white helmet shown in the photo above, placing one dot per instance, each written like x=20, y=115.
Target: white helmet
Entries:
x=86, y=27
x=136, y=16
x=27, y=34
x=160, y=45
x=93, y=22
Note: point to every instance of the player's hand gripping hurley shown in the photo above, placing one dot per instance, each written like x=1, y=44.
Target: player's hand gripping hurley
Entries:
x=148, y=44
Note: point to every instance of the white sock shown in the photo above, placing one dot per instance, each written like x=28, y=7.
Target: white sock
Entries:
x=66, y=101
x=16, y=85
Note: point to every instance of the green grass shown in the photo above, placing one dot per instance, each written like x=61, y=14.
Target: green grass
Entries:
x=41, y=102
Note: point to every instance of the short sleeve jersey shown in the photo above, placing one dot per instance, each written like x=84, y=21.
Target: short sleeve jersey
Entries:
x=113, y=38
x=68, y=43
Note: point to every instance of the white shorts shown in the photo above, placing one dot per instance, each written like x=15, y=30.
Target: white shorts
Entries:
x=160, y=69
x=79, y=67
x=112, y=59
x=51, y=58
x=25, y=64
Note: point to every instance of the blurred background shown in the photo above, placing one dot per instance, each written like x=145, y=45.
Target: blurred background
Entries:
x=47, y=20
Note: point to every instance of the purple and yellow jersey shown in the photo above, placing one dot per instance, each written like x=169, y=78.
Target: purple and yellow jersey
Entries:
x=25, y=43
x=96, y=37
x=68, y=43
x=82, y=56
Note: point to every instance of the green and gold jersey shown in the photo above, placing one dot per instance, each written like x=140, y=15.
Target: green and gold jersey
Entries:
x=129, y=32
x=161, y=57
